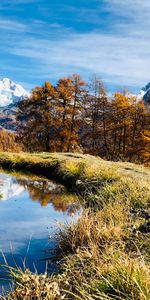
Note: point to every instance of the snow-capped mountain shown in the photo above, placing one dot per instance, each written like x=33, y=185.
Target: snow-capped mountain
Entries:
x=145, y=94
x=10, y=92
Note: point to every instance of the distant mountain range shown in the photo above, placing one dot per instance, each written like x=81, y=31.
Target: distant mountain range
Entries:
x=11, y=93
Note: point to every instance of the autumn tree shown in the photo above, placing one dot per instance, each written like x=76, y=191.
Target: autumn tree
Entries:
x=36, y=118
x=129, y=123
x=119, y=125
x=96, y=116
x=79, y=92
x=49, y=120
x=64, y=108
x=140, y=133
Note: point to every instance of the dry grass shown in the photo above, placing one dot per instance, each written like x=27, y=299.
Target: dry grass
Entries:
x=101, y=228
x=104, y=255
x=72, y=167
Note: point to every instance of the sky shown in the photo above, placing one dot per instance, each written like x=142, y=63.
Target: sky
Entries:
x=43, y=40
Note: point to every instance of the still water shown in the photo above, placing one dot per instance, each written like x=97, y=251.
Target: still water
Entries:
x=31, y=211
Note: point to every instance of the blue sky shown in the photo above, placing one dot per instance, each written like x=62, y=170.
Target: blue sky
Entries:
x=46, y=39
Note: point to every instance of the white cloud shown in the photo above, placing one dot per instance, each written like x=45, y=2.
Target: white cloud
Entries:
x=14, y=26
x=119, y=59
x=119, y=55
x=127, y=6
x=132, y=15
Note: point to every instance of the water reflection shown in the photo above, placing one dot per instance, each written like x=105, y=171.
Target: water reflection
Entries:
x=30, y=210
x=9, y=187
x=40, y=190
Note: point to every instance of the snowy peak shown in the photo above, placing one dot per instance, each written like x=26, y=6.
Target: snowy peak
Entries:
x=10, y=92
x=145, y=94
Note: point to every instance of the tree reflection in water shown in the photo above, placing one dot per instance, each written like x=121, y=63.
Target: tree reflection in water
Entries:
x=46, y=192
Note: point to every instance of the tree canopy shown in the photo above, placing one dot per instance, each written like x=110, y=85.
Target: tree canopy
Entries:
x=77, y=116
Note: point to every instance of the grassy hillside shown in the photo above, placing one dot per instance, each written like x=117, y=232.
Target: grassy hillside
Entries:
x=106, y=254
x=70, y=167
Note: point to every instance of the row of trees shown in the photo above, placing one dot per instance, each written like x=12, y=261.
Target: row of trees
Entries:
x=76, y=116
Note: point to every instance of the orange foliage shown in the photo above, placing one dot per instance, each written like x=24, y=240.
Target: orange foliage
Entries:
x=8, y=141
x=73, y=115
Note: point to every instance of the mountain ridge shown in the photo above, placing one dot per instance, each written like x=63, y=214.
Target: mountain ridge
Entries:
x=11, y=92
x=145, y=92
